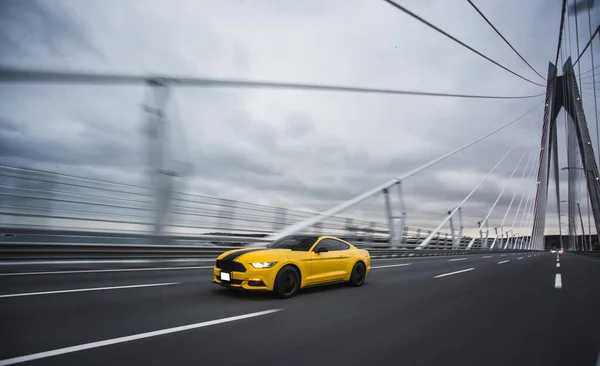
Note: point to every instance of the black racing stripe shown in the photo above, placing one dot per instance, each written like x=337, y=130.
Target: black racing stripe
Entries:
x=234, y=255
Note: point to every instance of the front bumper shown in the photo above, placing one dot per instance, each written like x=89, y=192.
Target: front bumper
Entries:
x=252, y=279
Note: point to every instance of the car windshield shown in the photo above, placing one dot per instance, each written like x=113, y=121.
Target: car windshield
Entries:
x=294, y=242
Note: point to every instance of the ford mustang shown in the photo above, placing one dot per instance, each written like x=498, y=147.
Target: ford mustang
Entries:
x=291, y=263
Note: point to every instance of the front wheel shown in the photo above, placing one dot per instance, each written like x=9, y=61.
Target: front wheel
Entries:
x=287, y=282
x=359, y=272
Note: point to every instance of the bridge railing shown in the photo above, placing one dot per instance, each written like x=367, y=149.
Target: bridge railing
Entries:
x=39, y=205
x=15, y=253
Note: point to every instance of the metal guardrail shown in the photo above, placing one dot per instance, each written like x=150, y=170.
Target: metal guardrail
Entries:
x=33, y=201
x=61, y=251
x=24, y=235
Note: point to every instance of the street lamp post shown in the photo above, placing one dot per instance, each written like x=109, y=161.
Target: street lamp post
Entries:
x=567, y=230
x=581, y=219
x=587, y=171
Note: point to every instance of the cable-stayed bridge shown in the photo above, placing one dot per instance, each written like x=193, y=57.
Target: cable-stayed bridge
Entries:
x=122, y=272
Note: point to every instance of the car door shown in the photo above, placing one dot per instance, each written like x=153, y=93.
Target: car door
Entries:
x=344, y=253
x=327, y=266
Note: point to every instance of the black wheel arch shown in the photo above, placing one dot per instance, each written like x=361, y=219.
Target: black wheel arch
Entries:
x=297, y=271
x=360, y=260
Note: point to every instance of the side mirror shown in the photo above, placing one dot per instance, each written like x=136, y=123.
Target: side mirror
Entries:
x=321, y=250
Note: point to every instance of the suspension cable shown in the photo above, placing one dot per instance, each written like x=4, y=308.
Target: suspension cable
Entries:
x=21, y=75
x=401, y=8
x=531, y=156
x=353, y=201
x=529, y=226
x=525, y=244
x=504, y=39
x=590, y=76
x=590, y=70
x=529, y=204
x=531, y=175
x=577, y=41
x=502, y=191
x=506, y=185
x=594, y=81
x=519, y=207
x=588, y=44
x=566, y=117
x=560, y=28
x=434, y=232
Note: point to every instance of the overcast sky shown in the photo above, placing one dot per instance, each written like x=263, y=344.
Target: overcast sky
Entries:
x=296, y=149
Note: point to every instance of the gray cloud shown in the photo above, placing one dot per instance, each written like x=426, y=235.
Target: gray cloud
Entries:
x=286, y=148
x=31, y=29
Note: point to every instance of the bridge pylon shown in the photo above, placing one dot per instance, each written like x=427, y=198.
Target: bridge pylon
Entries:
x=563, y=92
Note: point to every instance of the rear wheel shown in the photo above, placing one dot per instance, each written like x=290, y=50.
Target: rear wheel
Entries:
x=287, y=282
x=359, y=272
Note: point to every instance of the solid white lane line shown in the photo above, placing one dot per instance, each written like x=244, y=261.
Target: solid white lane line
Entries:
x=557, y=265
x=392, y=265
x=503, y=255
x=453, y=273
x=457, y=259
x=108, y=342
x=104, y=270
x=391, y=259
x=427, y=257
x=88, y=289
x=558, y=281
x=519, y=258
x=503, y=262
x=100, y=261
x=487, y=256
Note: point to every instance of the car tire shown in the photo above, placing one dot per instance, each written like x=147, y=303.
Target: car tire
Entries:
x=358, y=275
x=287, y=282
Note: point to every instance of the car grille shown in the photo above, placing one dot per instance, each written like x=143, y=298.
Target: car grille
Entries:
x=230, y=266
x=232, y=282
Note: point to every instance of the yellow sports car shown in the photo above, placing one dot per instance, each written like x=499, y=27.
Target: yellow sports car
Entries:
x=291, y=263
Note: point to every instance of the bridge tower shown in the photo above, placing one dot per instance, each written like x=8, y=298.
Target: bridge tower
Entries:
x=563, y=92
x=164, y=164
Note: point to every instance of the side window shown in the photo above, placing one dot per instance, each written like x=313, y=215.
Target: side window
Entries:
x=342, y=245
x=330, y=244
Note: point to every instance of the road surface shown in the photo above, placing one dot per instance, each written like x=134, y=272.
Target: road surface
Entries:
x=521, y=309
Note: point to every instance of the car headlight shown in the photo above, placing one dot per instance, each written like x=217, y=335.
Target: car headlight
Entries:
x=263, y=264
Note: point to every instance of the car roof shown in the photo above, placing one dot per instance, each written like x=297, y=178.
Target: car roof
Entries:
x=313, y=236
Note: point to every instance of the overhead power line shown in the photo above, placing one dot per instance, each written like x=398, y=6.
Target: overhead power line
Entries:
x=504, y=39
x=587, y=45
x=21, y=75
x=400, y=7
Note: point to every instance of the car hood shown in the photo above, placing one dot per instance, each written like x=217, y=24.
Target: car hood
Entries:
x=256, y=255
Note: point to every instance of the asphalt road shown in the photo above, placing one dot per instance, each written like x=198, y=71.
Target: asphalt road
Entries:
x=409, y=312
